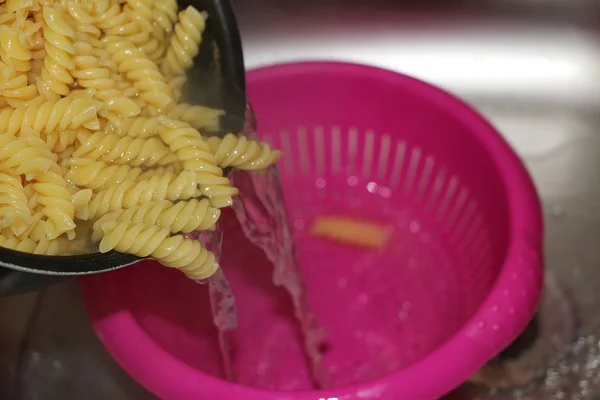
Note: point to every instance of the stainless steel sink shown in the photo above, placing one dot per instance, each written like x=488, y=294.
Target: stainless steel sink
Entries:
x=532, y=67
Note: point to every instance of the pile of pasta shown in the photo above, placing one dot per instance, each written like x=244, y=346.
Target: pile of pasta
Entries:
x=93, y=133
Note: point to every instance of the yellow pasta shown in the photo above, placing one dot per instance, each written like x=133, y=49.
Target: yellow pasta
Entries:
x=128, y=194
x=138, y=127
x=150, y=240
x=165, y=17
x=140, y=70
x=49, y=116
x=199, y=117
x=243, y=153
x=182, y=216
x=13, y=202
x=28, y=245
x=59, y=50
x=124, y=150
x=191, y=149
x=56, y=202
x=98, y=175
x=185, y=42
x=351, y=231
x=96, y=151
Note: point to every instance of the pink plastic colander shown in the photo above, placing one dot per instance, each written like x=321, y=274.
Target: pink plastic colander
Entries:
x=459, y=280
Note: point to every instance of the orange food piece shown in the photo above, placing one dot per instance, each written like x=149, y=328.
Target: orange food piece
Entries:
x=351, y=231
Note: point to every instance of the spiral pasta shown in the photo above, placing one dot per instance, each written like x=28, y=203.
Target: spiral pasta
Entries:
x=190, y=147
x=199, y=117
x=124, y=150
x=165, y=16
x=144, y=74
x=59, y=48
x=243, y=153
x=96, y=150
x=182, y=216
x=138, y=127
x=12, y=50
x=145, y=240
x=25, y=156
x=28, y=245
x=56, y=201
x=185, y=42
x=98, y=175
x=128, y=194
x=49, y=116
x=14, y=207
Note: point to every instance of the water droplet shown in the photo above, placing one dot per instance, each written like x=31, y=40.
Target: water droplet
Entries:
x=352, y=181
x=406, y=305
x=481, y=324
x=342, y=283
x=299, y=224
x=402, y=315
x=495, y=327
x=321, y=183
x=385, y=192
x=372, y=187
x=495, y=308
x=414, y=227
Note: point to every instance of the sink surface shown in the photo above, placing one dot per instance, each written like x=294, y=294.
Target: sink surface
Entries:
x=532, y=67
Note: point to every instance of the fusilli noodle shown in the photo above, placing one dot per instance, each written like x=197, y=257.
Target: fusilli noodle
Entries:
x=145, y=240
x=185, y=42
x=59, y=50
x=128, y=194
x=182, y=216
x=243, y=153
x=14, y=207
x=199, y=117
x=50, y=116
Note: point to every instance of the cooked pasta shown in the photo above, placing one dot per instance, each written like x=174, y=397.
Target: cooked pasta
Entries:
x=199, y=117
x=182, y=216
x=98, y=175
x=29, y=245
x=50, y=116
x=347, y=230
x=185, y=42
x=182, y=186
x=97, y=153
x=59, y=48
x=150, y=240
x=124, y=150
x=13, y=202
x=243, y=153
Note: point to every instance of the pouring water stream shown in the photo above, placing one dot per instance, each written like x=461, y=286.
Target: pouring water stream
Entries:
x=260, y=209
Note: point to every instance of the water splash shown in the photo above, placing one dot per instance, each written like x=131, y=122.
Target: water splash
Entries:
x=260, y=208
x=222, y=302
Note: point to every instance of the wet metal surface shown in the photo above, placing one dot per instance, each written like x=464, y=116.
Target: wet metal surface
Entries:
x=531, y=66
